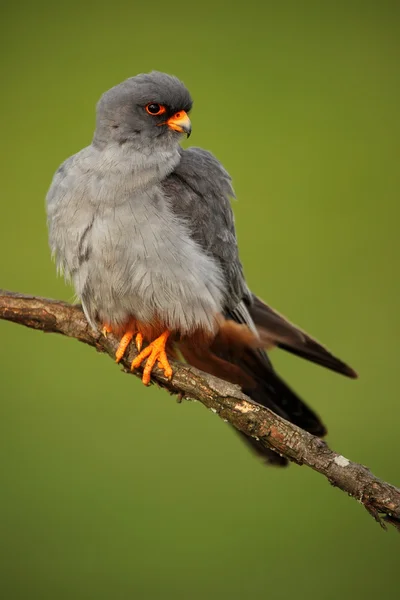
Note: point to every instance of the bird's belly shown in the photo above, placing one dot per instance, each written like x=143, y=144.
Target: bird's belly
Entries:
x=144, y=265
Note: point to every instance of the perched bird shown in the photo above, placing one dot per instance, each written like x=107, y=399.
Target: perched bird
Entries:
x=145, y=231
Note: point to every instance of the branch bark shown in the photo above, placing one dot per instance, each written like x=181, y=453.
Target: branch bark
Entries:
x=380, y=499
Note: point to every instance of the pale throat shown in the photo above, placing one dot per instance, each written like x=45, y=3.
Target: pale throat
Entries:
x=138, y=170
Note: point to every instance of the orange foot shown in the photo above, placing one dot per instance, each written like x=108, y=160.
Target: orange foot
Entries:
x=125, y=340
x=155, y=352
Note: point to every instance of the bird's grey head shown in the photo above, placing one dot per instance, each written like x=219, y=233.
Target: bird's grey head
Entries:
x=148, y=111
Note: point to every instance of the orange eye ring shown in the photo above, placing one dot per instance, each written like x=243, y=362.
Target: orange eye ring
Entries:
x=154, y=109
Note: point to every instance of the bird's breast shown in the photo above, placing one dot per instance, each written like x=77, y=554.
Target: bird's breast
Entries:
x=145, y=264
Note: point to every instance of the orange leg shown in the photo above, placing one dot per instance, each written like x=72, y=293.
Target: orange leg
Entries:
x=155, y=352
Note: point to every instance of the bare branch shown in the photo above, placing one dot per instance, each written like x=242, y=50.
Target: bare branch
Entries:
x=381, y=499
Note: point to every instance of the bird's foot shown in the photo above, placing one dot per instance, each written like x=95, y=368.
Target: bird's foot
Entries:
x=124, y=343
x=125, y=340
x=155, y=353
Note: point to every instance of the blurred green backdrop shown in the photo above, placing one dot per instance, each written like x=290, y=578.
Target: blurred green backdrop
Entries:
x=110, y=490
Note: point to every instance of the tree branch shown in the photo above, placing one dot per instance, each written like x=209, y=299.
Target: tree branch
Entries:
x=381, y=499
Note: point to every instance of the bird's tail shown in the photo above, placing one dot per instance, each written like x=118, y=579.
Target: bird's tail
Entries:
x=234, y=357
x=271, y=391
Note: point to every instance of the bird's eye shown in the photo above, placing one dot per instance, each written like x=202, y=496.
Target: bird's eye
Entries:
x=155, y=109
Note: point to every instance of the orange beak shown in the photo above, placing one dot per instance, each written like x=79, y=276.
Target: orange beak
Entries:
x=180, y=122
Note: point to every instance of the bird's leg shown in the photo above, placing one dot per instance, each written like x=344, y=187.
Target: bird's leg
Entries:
x=154, y=352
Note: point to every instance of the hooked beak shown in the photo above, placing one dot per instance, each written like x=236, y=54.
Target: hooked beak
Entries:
x=180, y=122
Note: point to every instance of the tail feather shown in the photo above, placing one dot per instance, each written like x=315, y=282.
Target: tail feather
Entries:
x=206, y=360
x=270, y=390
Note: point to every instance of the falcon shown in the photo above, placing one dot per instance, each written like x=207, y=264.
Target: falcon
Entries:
x=146, y=233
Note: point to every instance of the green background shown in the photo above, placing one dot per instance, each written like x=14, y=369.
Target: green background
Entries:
x=110, y=490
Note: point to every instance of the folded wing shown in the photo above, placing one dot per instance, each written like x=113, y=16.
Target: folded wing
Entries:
x=276, y=330
x=199, y=190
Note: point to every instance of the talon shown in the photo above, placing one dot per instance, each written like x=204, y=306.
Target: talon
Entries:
x=155, y=352
x=139, y=341
x=106, y=329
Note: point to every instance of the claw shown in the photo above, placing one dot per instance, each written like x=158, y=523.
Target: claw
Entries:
x=139, y=341
x=154, y=352
x=106, y=329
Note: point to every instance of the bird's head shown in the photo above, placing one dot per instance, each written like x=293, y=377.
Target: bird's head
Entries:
x=149, y=111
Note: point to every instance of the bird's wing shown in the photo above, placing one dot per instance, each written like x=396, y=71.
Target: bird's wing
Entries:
x=199, y=190
x=276, y=330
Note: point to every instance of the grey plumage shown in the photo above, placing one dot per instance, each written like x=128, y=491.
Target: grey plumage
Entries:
x=113, y=231
x=200, y=190
x=145, y=230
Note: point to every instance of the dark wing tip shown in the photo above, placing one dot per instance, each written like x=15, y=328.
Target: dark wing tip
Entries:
x=275, y=328
x=319, y=355
x=349, y=372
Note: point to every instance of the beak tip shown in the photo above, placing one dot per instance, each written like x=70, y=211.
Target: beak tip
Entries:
x=180, y=122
